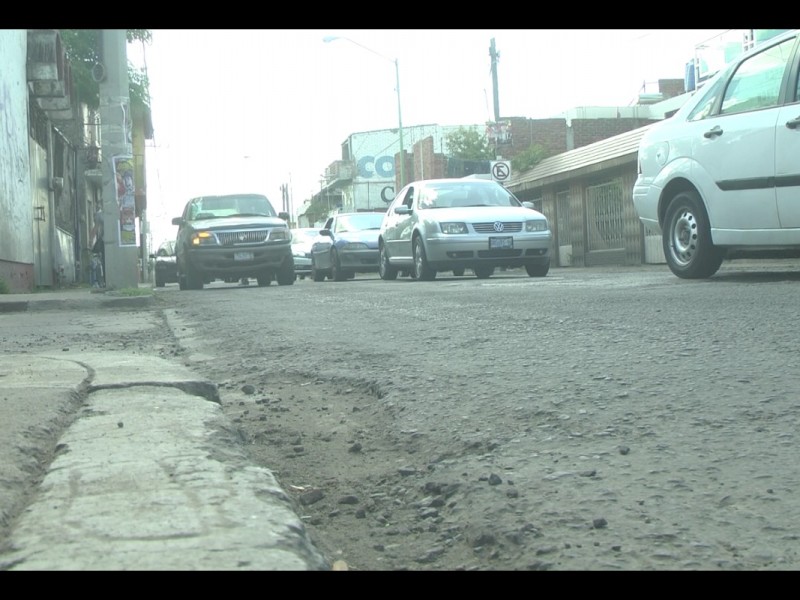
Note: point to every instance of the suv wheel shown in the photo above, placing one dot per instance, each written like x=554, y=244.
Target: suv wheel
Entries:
x=194, y=281
x=286, y=274
x=686, y=238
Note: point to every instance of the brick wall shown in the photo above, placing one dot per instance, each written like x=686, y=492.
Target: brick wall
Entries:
x=671, y=87
x=554, y=135
x=549, y=133
x=589, y=131
x=427, y=164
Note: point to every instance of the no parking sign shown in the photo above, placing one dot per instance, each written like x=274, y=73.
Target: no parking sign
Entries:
x=501, y=170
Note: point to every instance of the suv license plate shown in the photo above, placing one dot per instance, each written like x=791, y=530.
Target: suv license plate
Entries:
x=498, y=243
x=242, y=256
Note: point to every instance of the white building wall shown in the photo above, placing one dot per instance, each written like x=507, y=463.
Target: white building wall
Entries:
x=16, y=234
x=373, y=156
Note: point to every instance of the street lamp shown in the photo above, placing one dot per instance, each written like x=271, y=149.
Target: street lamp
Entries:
x=331, y=38
x=245, y=174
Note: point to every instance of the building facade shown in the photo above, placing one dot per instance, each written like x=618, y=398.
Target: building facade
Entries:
x=51, y=176
x=17, y=180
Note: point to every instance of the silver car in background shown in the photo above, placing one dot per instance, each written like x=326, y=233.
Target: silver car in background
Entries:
x=302, y=240
x=458, y=224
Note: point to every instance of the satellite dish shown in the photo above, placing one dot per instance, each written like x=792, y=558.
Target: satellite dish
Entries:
x=99, y=72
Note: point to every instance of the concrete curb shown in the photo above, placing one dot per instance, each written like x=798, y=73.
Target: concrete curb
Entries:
x=149, y=476
x=72, y=300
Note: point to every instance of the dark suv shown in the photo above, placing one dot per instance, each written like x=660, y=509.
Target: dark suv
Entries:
x=233, y=237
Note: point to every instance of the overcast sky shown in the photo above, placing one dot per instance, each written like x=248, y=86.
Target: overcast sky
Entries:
x=250, y=110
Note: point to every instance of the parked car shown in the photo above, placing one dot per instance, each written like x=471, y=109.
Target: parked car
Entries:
x=302, y=239
x=164, y=265
x=457, y=224
x=347, y=244
x=721, y=177
x=233, y=237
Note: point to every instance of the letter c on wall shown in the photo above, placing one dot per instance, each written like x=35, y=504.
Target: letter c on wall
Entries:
x=384, y=166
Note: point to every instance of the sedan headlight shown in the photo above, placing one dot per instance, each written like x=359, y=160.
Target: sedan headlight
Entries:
x=537, y=225
x=355, y=246
x=203, y=238
x=453, y=228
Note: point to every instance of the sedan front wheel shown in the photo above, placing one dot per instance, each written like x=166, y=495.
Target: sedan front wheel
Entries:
x=337, y=274
x=385, y=269
x=483, y=271
x=316, y=274
x=537, y=270
x=686, y=238
x=422, y=269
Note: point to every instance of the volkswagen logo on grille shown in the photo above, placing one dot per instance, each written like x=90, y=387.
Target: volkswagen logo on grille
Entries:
x=498, y=226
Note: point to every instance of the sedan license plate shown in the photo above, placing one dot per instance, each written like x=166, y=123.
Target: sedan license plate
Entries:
x=500, y=243
x=242, y=256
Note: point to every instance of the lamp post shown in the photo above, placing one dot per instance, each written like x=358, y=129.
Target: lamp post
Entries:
x=245, y=173
x=331, y=38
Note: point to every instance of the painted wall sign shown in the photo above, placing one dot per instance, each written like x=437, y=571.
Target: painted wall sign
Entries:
x=370, y=166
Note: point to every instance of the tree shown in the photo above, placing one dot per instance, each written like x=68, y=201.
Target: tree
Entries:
x=528, y=158
x=82, y=49
x=469, y=144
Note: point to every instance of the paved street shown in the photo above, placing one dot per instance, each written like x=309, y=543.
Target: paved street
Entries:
x=597, y=419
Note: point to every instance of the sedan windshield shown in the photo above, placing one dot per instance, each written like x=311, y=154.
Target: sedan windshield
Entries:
x=358, y=222
x=460, y=194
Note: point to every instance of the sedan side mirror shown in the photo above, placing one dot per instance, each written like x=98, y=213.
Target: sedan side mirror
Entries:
x=177, y=221
x=284, y=215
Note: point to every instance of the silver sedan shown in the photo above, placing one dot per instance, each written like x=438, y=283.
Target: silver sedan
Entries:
x=458, y=224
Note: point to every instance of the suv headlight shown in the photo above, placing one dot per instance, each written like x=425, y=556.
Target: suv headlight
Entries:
x=279, y=234
x=453, y=228
x=537, y=225
x=203, y=238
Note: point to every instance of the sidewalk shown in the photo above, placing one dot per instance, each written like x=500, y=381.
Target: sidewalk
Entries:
x=77, y=297
x=147, y=475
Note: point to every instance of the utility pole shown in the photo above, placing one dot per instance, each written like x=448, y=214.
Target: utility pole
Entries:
x=121, y=268
x=495, y=56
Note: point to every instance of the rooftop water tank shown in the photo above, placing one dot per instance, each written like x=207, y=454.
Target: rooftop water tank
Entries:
x=689, y=80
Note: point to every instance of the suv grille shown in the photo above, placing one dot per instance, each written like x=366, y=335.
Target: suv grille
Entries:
x=245, y=236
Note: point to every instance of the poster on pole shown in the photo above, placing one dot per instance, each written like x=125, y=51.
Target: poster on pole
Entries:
x=126, y=201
